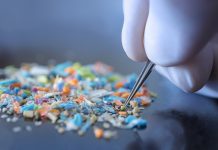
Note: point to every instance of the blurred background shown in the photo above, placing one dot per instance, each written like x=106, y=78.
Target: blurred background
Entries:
x=53, y=30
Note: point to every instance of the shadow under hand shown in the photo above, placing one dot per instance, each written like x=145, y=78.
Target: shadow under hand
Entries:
x=193, y=126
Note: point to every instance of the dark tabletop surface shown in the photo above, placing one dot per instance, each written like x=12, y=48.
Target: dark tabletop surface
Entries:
x=88, y=31
x=176, y=120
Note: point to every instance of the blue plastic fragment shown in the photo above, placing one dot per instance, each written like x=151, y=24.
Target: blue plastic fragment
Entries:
x=4, y=104
x=122, y=90
x=25, y=87
x=98, y=110
x=85, y=111
x=8, y=82
x=138, y=100
x=77, y=120
x=63, y=117
x=137, y=123
x=16, y=90
x=132, y=77
x=92, y=84
x=86, y=126
x=78, y=77
x=109, y=109
x=102, y=82
x=129, y=119
x=4, y=90
x=131, y=81
x=85, y=92
x=67, y=105
x=129, y=84
x=25, y=74
x=18, y=98
x=59, y=69
x=24, y=95
x=27, y=107
x=112, y=98
x=60, y=86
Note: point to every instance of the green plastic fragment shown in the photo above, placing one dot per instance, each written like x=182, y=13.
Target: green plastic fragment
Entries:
x=76, y=65
x=114, y=78
x=152, y=94
x=27, y=92
x=122, y=108
x=42, y=79
x=86, y=73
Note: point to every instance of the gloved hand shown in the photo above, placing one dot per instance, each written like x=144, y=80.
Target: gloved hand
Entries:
x=178, y=36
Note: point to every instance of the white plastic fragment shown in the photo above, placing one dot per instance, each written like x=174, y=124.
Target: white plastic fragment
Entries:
x=106, y=125
x=8, y=120
x=4, y=110
x=52, y=117
x=3, y=116
x=14, y=119
x=60, y=130
x=16, y=129
x=28, y=128
x=108, y=134
x=99, y=93
x=47, y=95
x=28, y=114
x=39, y=70
x=38, y=123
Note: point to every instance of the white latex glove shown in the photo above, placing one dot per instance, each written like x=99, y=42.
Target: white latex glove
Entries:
x=178, y=36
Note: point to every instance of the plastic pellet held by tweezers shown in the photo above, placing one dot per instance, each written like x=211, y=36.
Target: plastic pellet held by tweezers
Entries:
x=141, y=79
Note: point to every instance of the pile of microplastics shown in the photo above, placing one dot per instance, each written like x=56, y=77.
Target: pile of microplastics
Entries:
x=73, y=97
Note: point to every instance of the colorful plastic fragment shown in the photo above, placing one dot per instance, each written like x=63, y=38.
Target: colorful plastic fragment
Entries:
x=73, y=97
x=98, y=132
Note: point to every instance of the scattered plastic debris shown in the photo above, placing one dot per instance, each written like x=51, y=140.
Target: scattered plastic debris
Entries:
x=73, y=97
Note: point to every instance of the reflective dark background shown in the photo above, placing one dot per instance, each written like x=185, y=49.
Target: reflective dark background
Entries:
x=87, y=31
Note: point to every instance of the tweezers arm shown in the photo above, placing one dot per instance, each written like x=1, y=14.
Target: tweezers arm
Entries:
x=141, y=79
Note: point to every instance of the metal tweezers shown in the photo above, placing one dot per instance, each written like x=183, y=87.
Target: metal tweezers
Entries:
x=141, y=79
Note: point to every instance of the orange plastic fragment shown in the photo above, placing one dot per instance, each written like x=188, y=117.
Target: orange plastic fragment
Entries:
x=37, y=96
x=118, y=103
x=55, y=112
x=117, y=94
x=66, y=90
x=145, y=103
x=138, y=94
x=122, y=113
x=80, y=99
x=64, y=98
x=70, y=70
x=98, y=133
x=25, y=67
x=18, y=84
x=119, y=85
x=42, y=112
x=125, y=95
x=45, y=89
x=4, y=96
x=16, y=107
x=73, y=82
